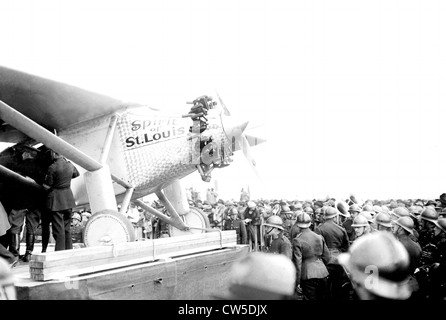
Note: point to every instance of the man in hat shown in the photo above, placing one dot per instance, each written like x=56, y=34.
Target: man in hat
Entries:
x=276, y=241
x=237, y=224
x=310, y=256
x=289, y=218
x=261, y=276
x=253, y=221
x=60, y=199
x=378, y=266
x=337, y=241
x=402, y=229
x=442, y=201
x=354, y=210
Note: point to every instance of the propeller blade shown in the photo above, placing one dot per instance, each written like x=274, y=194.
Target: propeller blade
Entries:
x=225, y=110
x=246, y=149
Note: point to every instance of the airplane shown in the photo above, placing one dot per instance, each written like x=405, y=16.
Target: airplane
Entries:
x=124, y=151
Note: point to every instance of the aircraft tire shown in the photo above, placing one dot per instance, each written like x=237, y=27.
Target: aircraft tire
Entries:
x=108, y=227
x=195, y=218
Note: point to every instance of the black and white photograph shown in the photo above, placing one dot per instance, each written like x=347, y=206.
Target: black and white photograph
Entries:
x=209, y=151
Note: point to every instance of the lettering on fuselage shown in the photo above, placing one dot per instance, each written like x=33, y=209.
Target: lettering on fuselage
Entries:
x=147, y=132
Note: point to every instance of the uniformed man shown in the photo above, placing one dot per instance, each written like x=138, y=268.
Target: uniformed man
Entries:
x=252, y=220
x=383, y=222
x=237, y=224
x=289, y=218
x=378, y=266
x=360, y=226
x=310, y=256
x=276, y=241
x=438, y=268
x=337, y=241
x=402, y=229
x=354, y=210
x=60, y=199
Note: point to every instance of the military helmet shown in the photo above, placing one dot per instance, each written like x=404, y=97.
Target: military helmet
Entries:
x=330, y=212
x=261, y=276
x=367, y=207
x=308, y=210
x=379, y=254
x=303, y=220
x=367, y=215
x=406, y=223
x=343, y=208
x=429, y=214
x=274, y=221
x=415, y=211
x=354, y=208
x=383, y=219
x=377, y=209
x=400, y=212
x=441, y=223
x=360, y=221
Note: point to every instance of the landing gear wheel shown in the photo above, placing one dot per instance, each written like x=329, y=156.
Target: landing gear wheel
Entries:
x=108, y=227
x=194, y=218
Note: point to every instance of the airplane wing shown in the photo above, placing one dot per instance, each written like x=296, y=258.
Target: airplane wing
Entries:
x=53, y=105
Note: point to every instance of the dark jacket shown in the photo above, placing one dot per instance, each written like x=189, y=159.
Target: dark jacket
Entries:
x=310, y=255
x=350, y=231
x=413, y=249
x=58, y=178
x=239, y=227
x=335, y=237
x=281, y=245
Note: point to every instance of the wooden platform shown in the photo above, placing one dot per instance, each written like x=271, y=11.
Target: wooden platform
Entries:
x=186, y=275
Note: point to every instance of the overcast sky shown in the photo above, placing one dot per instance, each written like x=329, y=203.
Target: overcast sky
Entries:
x=351, y=93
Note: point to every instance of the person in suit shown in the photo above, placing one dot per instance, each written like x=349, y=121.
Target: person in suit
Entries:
x=60, y=199
x=237, y=224
x=310, y=257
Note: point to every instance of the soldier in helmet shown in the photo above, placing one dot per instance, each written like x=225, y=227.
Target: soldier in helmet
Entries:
x=402, y=229
x=383, y=222
x=289, y=218
x=438, y=268
x=310, y=256
x=428, y=220
x=354, y=210
x=276, y=241
x=237, y=224
x=378, y=265
x=337, y=241
x=360, y=226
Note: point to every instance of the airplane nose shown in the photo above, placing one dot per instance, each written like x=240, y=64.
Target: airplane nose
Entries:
x=233, y=127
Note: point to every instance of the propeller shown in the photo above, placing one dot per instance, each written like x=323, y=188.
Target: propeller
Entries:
x=235, y=128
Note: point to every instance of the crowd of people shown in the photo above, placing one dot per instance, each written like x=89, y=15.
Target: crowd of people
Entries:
x=344, y=250
x=335, y=249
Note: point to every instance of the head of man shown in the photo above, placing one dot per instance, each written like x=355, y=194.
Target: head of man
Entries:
x=428, y=219
x=379, y=267
x=360, y=225
x=273, y=226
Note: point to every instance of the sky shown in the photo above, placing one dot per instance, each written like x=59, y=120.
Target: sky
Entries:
x=350, y=95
